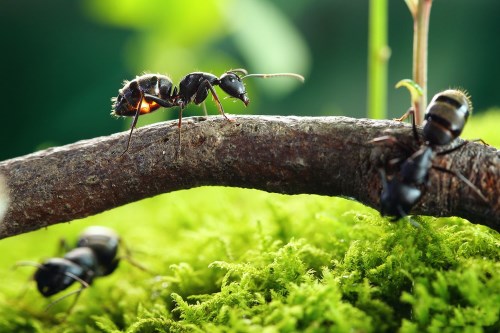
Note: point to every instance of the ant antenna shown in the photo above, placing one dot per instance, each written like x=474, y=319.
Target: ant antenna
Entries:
x=265, y=76
x=26, y=263
x=238, y=70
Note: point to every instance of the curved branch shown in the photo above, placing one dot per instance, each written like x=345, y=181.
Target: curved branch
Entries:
x=327, y=155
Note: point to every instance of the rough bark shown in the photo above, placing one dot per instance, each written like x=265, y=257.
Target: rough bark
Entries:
x=328, y=156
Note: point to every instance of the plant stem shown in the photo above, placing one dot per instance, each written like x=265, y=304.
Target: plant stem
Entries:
x=420, y=48
x=378, y=56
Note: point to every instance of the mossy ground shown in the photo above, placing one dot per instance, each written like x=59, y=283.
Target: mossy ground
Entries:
x=234, y=260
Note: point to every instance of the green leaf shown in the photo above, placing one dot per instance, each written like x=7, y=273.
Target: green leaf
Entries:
x=414, y=89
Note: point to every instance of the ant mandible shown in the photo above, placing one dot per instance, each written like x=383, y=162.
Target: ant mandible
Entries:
x=445, y=119
x=95, y=255
x=149, y=92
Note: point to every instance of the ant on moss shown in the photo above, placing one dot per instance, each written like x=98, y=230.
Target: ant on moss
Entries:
x=95, y=255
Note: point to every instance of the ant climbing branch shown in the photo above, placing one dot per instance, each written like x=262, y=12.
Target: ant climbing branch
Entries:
x=445, y=119
x=321, y=155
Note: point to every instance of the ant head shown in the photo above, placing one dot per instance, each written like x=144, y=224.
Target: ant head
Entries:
x=55, y=275
x=232, y=84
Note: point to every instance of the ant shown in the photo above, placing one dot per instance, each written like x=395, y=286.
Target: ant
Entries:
x=445, y=119
x=95, y=255
x=149, y=92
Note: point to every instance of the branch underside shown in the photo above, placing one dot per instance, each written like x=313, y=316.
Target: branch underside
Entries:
x=325, y=155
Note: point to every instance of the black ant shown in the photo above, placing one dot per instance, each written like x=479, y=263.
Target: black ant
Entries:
x=445, y=119
x=95, y=255
x=149, y=92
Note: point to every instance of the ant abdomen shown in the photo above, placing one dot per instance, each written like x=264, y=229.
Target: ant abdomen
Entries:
x=446, y=116
x=129, y=97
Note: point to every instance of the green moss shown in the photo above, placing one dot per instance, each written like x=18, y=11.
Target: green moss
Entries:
x=259, y=262
x=229, y=260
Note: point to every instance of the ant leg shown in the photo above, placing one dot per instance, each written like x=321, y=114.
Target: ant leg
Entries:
x=179, y=125
x=77, y=292
x=410, y=113
x=84, y=286
x=385, y=185
x=204, y=109
x=167, y=104
x=160, y=101
x=216, y=98
x=134, y=122
x=414, y=125
x=391, y=139
x=26, y=285
x=128, y=257
x=461, y=145
x=479, y=140
x=464, y=179
x=63, y=247
x=413, y=222
x=30, y=279
x=402, y=215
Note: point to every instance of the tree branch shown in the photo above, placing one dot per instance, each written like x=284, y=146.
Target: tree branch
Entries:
x=328, y=156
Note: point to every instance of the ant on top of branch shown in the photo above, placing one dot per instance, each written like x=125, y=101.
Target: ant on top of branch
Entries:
x=149, y=92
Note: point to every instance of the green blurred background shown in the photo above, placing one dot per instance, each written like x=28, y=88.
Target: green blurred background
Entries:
x=62, y=61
